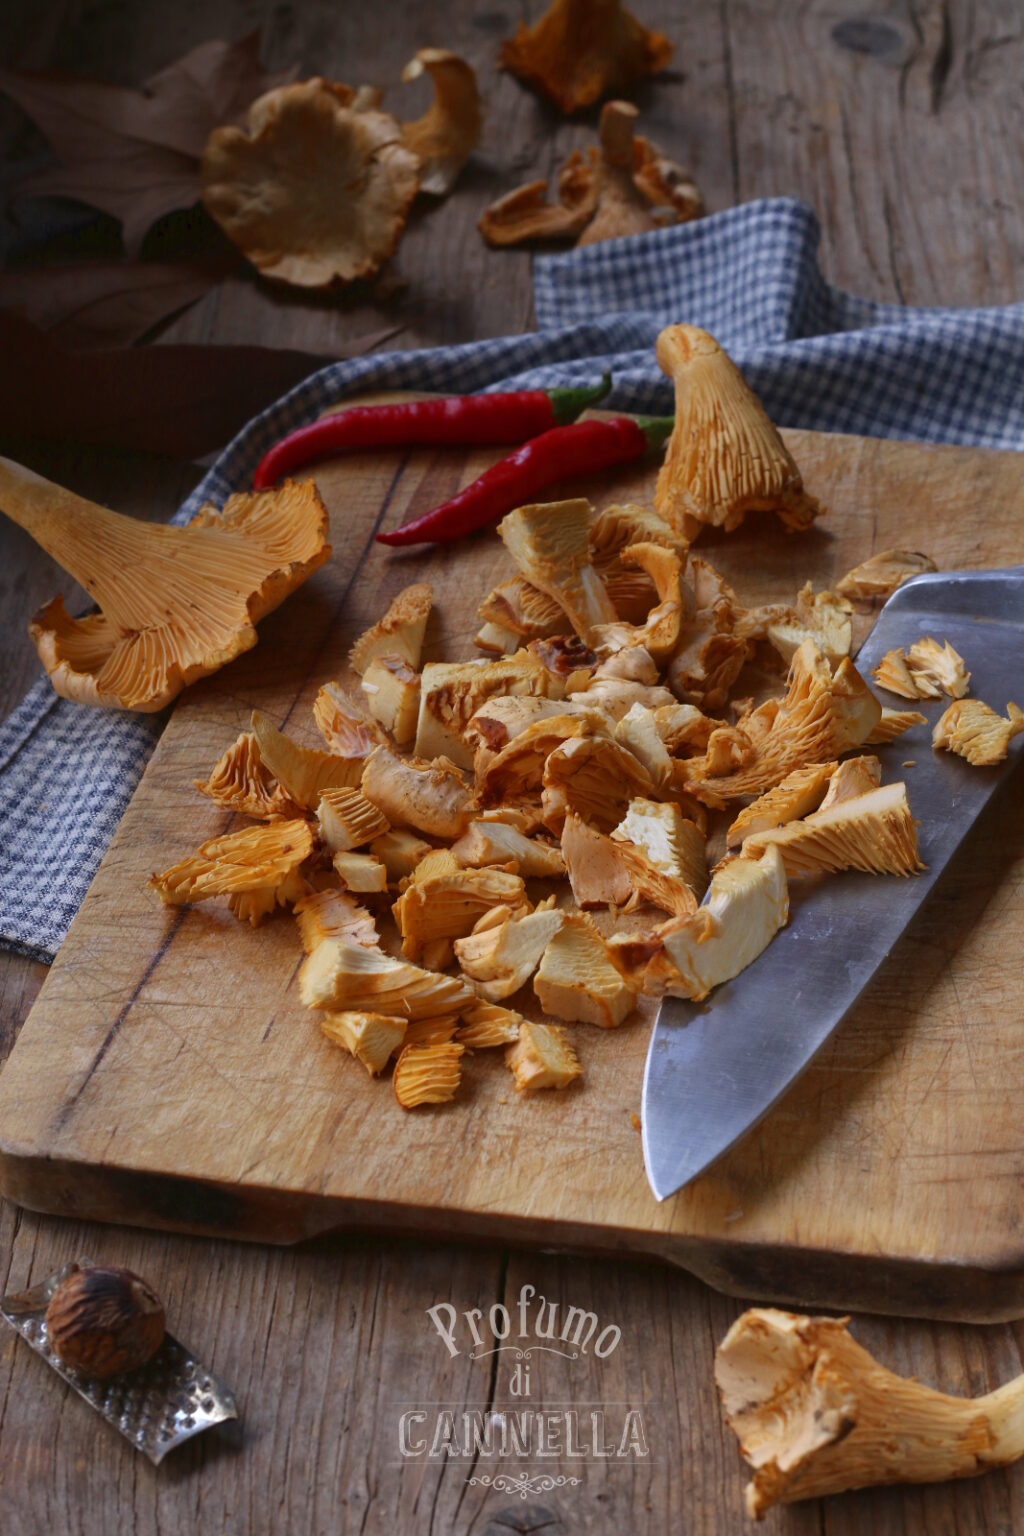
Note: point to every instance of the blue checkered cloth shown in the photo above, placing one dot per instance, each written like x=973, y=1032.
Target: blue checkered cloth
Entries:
x=818, y=358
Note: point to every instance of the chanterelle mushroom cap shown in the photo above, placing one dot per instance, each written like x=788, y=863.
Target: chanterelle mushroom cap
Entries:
x=816, y=1414
x=312, y=190
x=446, y=135
x=724, y=458
x=175, y=603
x=580, y=50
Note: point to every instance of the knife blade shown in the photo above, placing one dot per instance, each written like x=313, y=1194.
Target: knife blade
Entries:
x=714, y=1069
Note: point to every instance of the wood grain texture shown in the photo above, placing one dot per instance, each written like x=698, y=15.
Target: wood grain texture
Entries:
x=169, y=1075
x=314, y=1338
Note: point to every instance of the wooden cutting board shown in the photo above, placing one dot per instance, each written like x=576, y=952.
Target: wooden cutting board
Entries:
x=168, y=1075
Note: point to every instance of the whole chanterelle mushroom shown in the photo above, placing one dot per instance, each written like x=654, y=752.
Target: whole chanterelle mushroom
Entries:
x=816, y=1414
x=580, y=50
x=175, y=603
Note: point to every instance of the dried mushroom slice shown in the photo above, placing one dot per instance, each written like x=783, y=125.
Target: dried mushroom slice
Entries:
x=240, y=781
x=312, y=191
x=974, y=731
x=428, y=797
x=670, y=845
x=746, y=905
x=581, y=50
x=392, y=692
x=892, y=724
x=873, y=832
x=815, y=1414
x=542, y=1057
x=597, y=871
x=448, y=906
x=799, y=793
x=428, y=1074
x=371, y=1038
x=303, y=772
x=495, y=842
x=262, y=863
x=399, y=633
x=879, y=576
x=724, y=458
x=174, y=603
x=332, y=914
x=550, y=544
x=348, y=820
x=501, y=956
x=596, y=778
x=342, y=975
x=576, y=979
x=344, y=724
x=451, y=693
x=486, y=1025
x=448, y=132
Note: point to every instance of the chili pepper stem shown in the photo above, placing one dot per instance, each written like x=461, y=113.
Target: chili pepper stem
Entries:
x=567, y=404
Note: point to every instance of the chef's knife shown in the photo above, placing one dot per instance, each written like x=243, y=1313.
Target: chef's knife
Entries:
x=715, y=1068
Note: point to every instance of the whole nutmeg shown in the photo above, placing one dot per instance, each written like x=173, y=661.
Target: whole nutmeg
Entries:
x=105, y=1321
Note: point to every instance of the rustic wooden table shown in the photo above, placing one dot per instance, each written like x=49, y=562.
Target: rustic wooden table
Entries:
x=903, y=127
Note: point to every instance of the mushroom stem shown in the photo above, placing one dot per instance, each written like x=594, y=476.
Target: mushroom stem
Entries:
x=816, y=1414
x=61, y=522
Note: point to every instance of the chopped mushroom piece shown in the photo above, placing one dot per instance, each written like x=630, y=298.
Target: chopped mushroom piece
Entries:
x=683, y=726
x=517, y=612
x=436, y=862
x=974, y=731
x=638, y=732
x=501, y=957
x=815, y=1414
x=371, y=1038
x=485, y=1025
x=670, y=845
x=447, y=906
x=312, y=190
x=495, y=842
x=344, y=724
x=707, y=664
x=303, y=772
x=873, y=832
x=542, y=1057
x=431, y=1031
x=856, y=776
x=240, y=781
x=399, y=633
x=893, y=723
x=597, y=870
x=596, y=778
x=452, y=692
x=550, y=544
x=174, y=603
x=937, y=667
x=893, y=674
x=428, y=1074
x=724, y=458
x=348, y=820
x=576, y=979
x=361, y=872
x=615, y=696
x=879, y=576
x=392, y=692
x=823, y=616
x=399, y=851
x=518, y=768
x=342, y=975
x=658, y=637
x=258, y=868
x=448, y=132
x=616, y=527
x=332, y=914
x=823, y=715
x=799, y=793
x=429, y=797
x=581, y=50
x=746, y=905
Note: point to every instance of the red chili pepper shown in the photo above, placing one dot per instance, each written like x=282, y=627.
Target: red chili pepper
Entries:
x=454, y=419
x=562, y=454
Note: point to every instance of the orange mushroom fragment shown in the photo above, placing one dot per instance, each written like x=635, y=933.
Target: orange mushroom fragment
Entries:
x=975, y=732
x=428, y=1074
x=581, y=50
x=175, y=603
x=241, y=781
x=313, y=190
x=446, y=135
x=258, y=868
